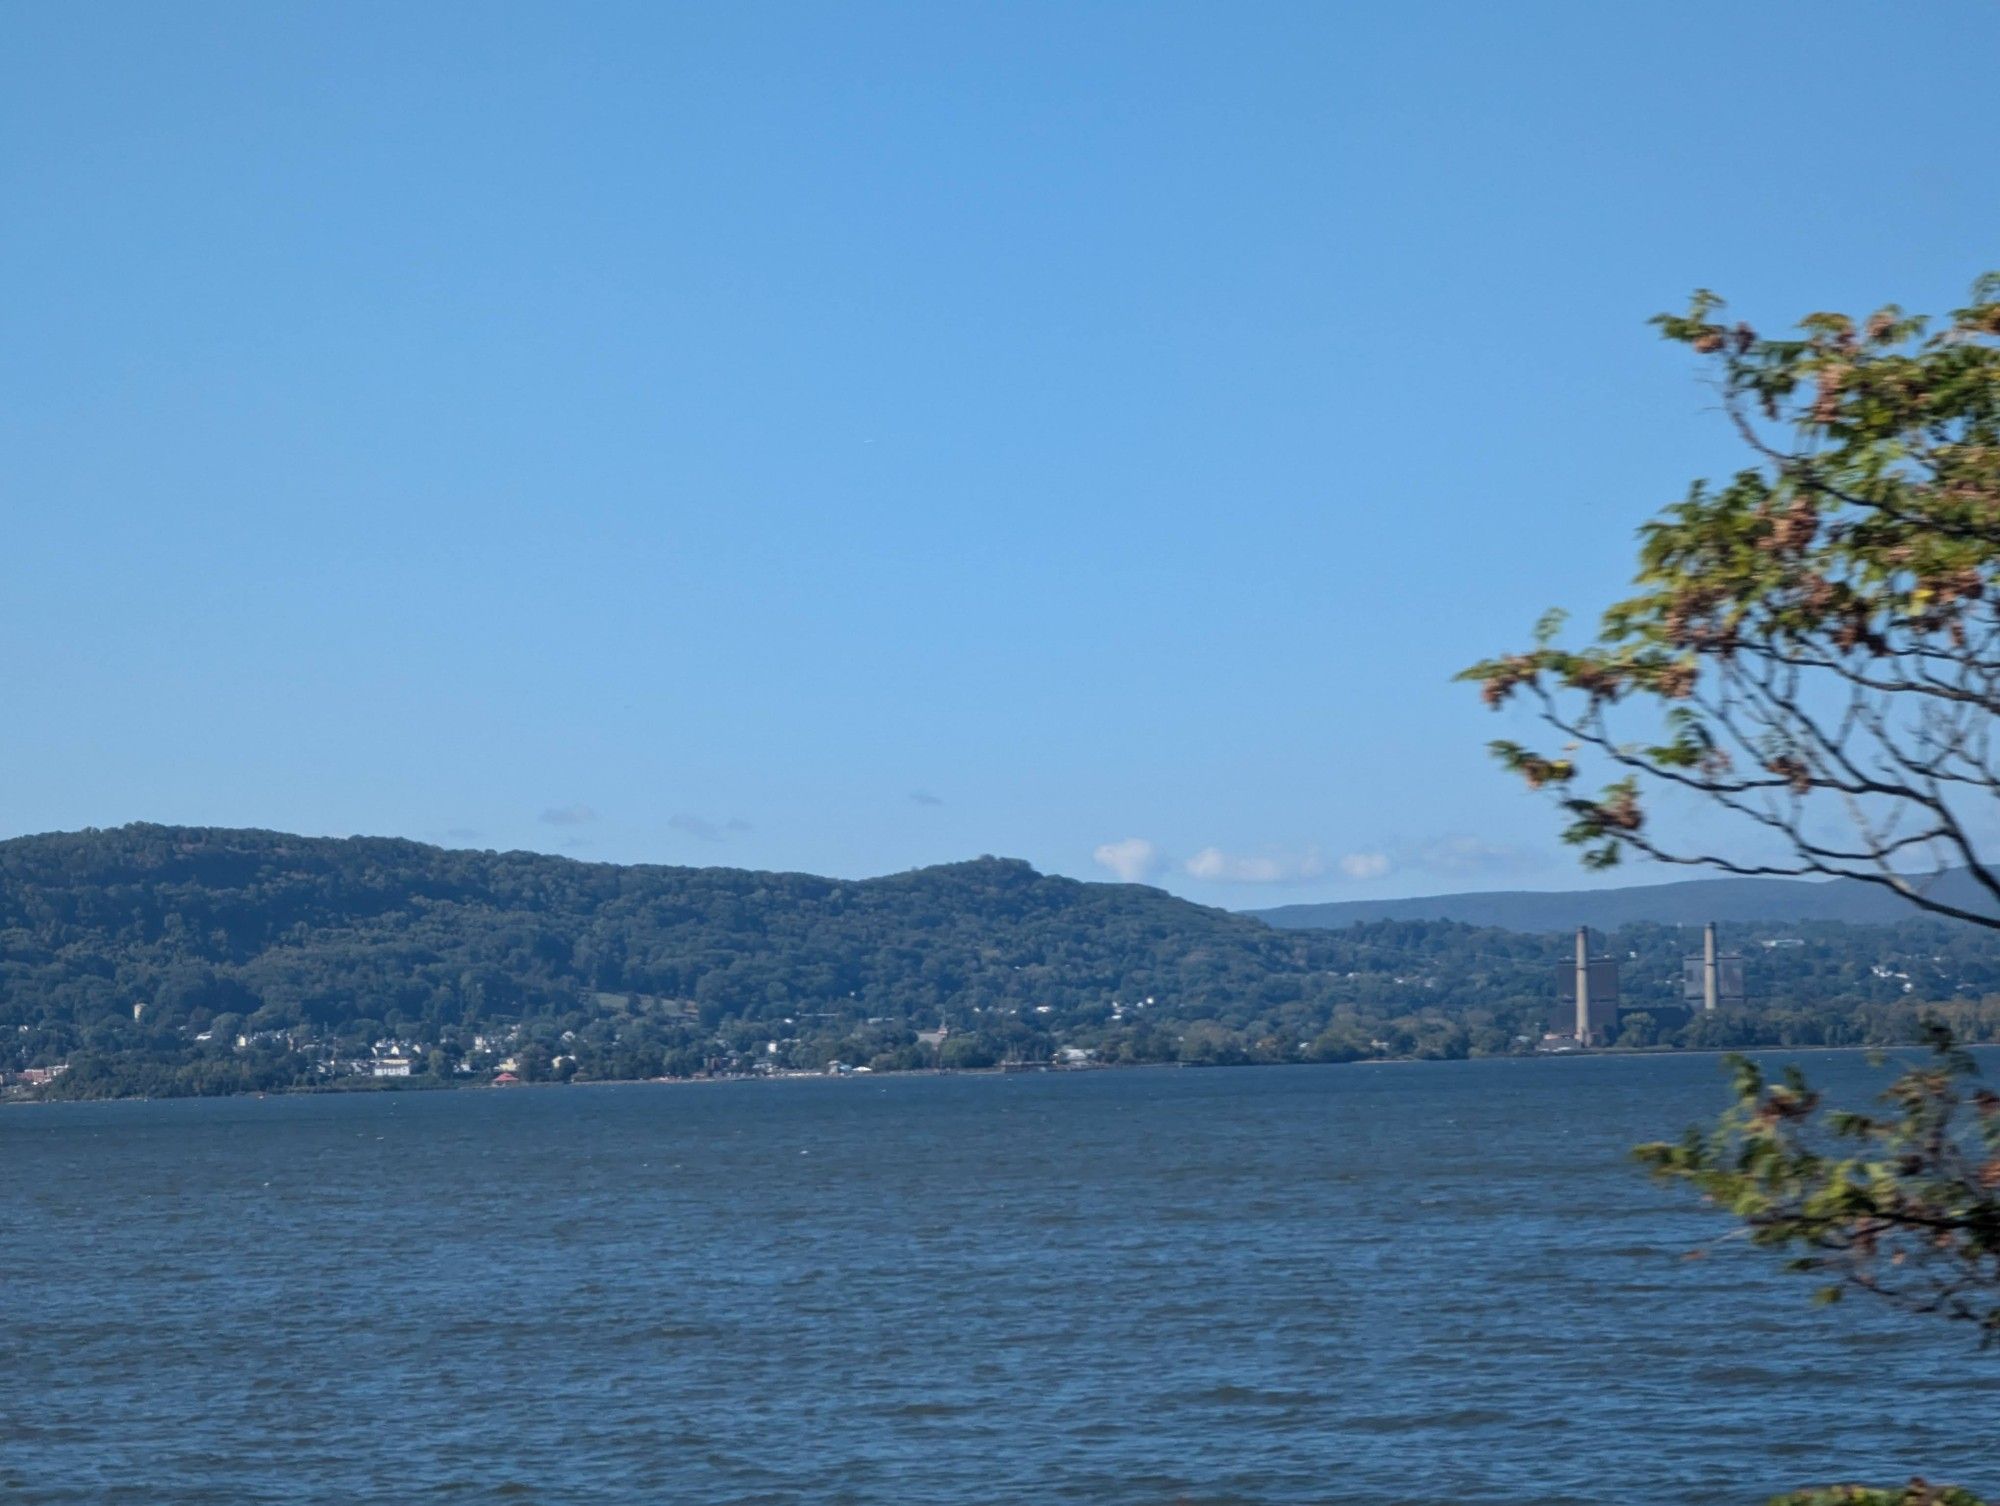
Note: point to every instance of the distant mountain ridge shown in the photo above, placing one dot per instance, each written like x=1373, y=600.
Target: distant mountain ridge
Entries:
x=1687, y=902
x=165, y=960
x=274, y=931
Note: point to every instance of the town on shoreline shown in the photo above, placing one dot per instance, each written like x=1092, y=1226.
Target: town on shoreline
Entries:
x=28, y=1088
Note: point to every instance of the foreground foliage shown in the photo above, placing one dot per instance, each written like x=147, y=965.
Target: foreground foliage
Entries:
x=1814, y=643
x=1812, y=648
x=1916, y=1493
x=1902, y=1203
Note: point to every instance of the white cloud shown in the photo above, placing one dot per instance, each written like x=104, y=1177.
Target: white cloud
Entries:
x=1134, y=859
x=1365, y=865
x=569, y=815
x=1220, y=867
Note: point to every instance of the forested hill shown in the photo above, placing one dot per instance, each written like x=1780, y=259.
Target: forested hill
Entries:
x=358, y=937
x=182, y=918
x=171, y=959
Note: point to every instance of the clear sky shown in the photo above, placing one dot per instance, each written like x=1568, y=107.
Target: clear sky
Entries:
x=850, y=437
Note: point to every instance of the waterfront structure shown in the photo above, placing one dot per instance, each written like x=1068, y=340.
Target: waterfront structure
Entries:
x=1588, y=991
x=1713, y=979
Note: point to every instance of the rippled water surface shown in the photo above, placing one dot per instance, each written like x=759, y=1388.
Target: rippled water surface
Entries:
x=1429, y=1283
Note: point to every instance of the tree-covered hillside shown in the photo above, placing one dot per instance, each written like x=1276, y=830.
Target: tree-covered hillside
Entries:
x=166, y=959
x=324, y=931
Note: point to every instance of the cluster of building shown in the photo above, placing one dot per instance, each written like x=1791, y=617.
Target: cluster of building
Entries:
x=33, y=1077
x=389, y=1057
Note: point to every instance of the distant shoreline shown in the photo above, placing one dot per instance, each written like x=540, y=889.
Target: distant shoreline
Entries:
x=426, y=1085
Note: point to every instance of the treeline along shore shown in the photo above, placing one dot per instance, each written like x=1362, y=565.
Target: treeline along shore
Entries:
x=154, y=960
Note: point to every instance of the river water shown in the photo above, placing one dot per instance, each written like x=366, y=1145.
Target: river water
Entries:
x=1383, y=1283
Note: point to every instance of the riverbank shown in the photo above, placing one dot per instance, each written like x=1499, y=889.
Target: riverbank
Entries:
x=426, y=1084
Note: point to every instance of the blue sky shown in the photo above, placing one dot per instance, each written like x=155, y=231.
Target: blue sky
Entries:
x=850, y=437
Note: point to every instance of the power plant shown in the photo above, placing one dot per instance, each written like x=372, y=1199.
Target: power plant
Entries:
x=1714, y=978
x=1589, y=986
x=1592, y=1008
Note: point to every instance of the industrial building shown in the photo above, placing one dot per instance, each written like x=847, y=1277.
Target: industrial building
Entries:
x=1591, y=1008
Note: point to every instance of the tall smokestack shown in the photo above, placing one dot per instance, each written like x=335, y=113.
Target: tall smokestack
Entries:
x=1583, y=985
x=1710, y=979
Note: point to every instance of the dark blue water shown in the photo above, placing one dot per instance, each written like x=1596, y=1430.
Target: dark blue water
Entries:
x=1434, y=1283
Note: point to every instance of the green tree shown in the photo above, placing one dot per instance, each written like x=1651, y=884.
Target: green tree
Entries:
x=1814, y=644
x=1813, y=647
x=1639, y=1029
x=1916, y=1493
x=967, y=1052
x=1902, y=1203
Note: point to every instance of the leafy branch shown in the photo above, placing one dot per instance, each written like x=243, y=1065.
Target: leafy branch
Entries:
x=1903, y=1203
x=1814, y=644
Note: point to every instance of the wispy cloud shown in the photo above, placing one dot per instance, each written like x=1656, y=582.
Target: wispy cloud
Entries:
x=705, y=829
x=569, y=815
x=1133, y=859
x=1466, y=854
x=1365, y=865
x=925, y=797
x=1219, y=867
